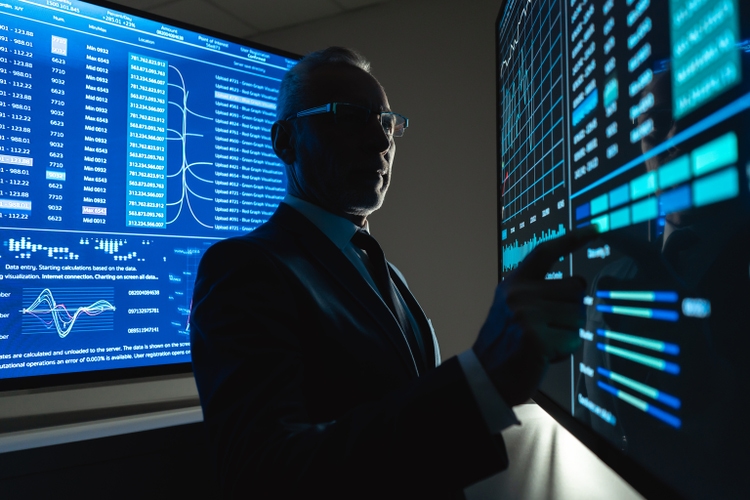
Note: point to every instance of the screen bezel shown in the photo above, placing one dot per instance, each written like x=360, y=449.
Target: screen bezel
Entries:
x=109, y=375
x=641, y=479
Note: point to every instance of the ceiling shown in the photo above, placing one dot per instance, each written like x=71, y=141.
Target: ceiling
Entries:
x=247, y=18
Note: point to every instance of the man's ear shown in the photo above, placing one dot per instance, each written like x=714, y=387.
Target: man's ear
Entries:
x=281, y=138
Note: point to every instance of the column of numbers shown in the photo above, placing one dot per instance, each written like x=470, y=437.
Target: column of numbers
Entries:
x=16, y=84
x=56, y=161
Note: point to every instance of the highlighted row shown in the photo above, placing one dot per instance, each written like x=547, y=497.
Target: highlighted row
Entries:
x=644, y=389
x=643, y=359
x=646, y=343
x=642, y=405
x=646, y=296
x=640, y=312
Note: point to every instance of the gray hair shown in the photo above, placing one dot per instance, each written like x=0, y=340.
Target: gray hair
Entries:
x=294, y=84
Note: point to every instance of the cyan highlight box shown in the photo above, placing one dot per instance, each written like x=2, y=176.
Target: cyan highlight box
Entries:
x=602, y=222
x=55, y=175
x=587, y=106
x=643, y=185
x=15, y=205
x=715, y=154
x=611, y=91
x=619, y=196
x=599, y=204
x=619, y=218
x=675, y=172
x=583, y=211
x=645, y=210
x=505, y=233
x=716, y=187
x=675, y=200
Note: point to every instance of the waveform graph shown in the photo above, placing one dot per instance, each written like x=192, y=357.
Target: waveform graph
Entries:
x=66, y=310
x=515, y=252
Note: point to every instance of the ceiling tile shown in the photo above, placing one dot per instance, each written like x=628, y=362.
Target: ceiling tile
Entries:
x=271, y=14
x=356, y=4
x=142, y=4
x=204, y=14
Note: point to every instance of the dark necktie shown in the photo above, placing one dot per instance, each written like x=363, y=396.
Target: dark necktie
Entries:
x=381, y=275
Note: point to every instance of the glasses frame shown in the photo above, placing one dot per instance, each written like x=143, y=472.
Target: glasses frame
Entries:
x=331, y=107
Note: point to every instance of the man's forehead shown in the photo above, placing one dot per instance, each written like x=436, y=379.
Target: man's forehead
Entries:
x=344, y=83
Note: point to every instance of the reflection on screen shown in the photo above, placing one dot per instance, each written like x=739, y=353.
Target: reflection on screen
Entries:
x=127, y=147
x=633, y=115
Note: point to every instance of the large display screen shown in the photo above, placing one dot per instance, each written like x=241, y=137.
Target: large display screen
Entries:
x=127, y=147
x=634, y=115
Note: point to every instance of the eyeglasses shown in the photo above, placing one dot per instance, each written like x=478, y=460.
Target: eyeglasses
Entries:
x=352, y=115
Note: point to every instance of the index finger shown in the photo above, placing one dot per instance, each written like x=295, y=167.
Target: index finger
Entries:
x=538, y=262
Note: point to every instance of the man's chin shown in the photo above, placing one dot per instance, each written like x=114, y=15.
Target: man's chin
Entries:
x=364, y=205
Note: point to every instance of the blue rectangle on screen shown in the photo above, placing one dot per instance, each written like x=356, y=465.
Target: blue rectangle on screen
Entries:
x=644, y=210
x=675, y=200
x=665, y=314
x=505, y=233
x=587, y=106
x=619, y=218
x=619, y=196
x=666, y=297
x=583, y=211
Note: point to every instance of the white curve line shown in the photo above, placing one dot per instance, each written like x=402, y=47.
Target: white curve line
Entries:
x=190, y=207
x=506, y=62
x=182, y=135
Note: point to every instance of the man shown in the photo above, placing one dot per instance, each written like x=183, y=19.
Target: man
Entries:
x=318, y=377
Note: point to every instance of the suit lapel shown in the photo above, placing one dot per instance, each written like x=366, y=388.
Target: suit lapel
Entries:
x=424, y=327
x=339, y=267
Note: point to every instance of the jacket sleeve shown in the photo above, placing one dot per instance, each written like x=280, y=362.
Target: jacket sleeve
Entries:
x=423, y=438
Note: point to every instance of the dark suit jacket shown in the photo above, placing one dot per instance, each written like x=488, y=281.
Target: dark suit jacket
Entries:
x=307, y=384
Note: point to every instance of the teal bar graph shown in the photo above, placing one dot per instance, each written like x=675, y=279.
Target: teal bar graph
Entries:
x=599, y=204
x=646, y=390
x=715, y=154
x=602, y=223
x=642, y=405
x=643, y=342
x=716, y=187
x=619, y=218
x=643, y=185
x=674, y=172
x=645, y=210
x=643, y=359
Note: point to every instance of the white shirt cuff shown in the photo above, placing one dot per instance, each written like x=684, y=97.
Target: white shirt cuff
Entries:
x=496, y=412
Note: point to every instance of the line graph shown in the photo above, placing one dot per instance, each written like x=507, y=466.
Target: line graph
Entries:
x=193, y=184
x=531, y=85
x=46, y=311
x=512, y=47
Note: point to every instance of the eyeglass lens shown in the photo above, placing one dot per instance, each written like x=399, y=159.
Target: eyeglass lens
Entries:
x=356, y=115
